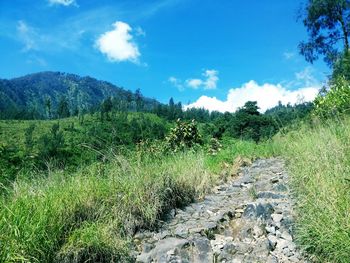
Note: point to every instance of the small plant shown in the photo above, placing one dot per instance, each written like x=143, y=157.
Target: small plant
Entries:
x=214, y=146
x=183, y=136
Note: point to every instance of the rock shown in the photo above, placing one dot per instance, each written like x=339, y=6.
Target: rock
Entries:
x=293, y=259
x=147, y=247
x=287, y=252
x=281, y=244
x=257, y=231
x=277, y=217
x=280, y=188
x=240, y=210
x=163, y=248
x=272, y=259
x=274, y=180
x=202, y=251
x=227, y=253
x=238, y=215
x=278, y=234
x=270, y=229
x=262, y=210
x=285, y=235
x=269, y=195
x=181, y=232
x=272, y=241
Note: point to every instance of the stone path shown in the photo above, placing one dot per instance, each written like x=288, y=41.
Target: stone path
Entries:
x=249, y=219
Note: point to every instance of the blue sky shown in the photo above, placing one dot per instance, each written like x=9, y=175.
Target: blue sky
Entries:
x=213, y=54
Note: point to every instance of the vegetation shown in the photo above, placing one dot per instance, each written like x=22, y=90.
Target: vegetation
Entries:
x=319, y=162
x=91, y=214
x=85, y=164
x=327, y=22
x=335, y=101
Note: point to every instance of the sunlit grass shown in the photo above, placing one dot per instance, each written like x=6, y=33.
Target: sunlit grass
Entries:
x=319, y=163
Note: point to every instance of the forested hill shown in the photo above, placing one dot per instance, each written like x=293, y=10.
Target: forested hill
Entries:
x=44, y=94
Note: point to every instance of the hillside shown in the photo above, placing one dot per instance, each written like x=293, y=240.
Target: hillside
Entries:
x=36, y=96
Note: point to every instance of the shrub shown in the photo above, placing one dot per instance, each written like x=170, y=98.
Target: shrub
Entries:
x=335, y=101
x=183, y=136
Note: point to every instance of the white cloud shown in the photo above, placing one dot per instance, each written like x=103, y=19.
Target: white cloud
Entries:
x=27, y=36
x=118, y=44
x=267, y=95
x=306, y=76
x=62, y=2
x=209, y=82
x=140, y=32
x=212, y=79
x=177, y=83
x=194, y=83
x=288, y=55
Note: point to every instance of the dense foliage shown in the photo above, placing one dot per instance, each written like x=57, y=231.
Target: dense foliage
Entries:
x=48, y=95
x=335, y=101
x=328, y=23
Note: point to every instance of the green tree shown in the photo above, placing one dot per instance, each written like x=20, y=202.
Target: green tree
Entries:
x=106, y=107
x=52, y=144
x=28, y=138
x=63, y=108
x=48, y=107
x=327, y=23
x=139, y=100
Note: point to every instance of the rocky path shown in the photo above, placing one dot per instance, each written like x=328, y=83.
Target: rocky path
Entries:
x=249, y=219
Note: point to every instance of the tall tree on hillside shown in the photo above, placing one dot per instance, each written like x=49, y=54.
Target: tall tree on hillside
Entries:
x=139, y=100
x=171, y=109
x=328, y=25
x=63, y=108
x=48, y=107
x=106, y=107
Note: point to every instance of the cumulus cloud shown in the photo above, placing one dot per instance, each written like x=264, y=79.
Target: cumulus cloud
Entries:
x=118, y=44
x=209, y=81
x=212, y=79
x=267, y=95
x=194, y=83
x=62, y=2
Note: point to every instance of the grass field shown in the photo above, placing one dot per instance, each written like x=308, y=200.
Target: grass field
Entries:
x=93, y=213
x=319, y=163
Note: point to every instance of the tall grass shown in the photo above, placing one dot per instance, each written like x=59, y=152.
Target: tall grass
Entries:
x=319, y=163
x=92, y=214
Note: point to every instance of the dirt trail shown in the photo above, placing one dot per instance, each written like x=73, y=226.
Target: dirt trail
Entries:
x=249, y=219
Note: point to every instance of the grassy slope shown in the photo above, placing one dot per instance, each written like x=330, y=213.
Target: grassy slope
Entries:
x=319, y=163
x=12, y=131
x=91, y=214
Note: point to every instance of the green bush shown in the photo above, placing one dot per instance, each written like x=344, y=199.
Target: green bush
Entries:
x=335, y=101
x=183, y=136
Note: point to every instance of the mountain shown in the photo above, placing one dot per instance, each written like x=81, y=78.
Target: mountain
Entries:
x=29, y=96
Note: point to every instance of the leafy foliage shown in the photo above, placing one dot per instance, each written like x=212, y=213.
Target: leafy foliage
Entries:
x=47, y=95
x=335, y=101
x=183, y=136
x=327, y=22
